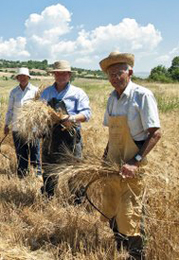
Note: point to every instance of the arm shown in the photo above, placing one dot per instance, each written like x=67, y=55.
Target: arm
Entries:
x=9, y=113
x=83, y=111
x=150, y=121
x=78, y=118
x=83, y=107
x=129, y=169
x=151, y=141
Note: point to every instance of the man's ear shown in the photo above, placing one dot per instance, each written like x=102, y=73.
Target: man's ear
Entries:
x=130, y=73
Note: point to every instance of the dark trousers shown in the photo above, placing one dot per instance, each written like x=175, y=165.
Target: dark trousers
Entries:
x=61, y=146
x=26, y=152
x=133, y=244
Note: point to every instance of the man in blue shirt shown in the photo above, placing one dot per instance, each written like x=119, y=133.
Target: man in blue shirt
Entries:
x=62, y=142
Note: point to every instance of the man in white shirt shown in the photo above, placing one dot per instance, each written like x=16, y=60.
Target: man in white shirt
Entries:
x=21, y=94
x=134, y=129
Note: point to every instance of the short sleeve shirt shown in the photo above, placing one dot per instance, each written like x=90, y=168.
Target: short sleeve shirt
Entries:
x=138, y=104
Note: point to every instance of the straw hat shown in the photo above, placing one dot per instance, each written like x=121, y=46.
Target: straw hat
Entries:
x=117, y=57
x=23, y=71
x=61, y=65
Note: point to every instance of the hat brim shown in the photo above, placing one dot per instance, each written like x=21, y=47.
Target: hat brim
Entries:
x=60, y=70
x=22, y=74
x=119, y=58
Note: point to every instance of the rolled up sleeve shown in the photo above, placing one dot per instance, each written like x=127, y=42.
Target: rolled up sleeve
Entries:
x=83, y=106
x=9, y=114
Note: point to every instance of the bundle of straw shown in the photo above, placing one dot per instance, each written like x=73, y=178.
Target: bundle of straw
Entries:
x=36, y=119
x=7, y=159
x=74, y=175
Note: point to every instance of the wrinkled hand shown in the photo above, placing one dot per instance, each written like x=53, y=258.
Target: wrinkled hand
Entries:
x=129, y=169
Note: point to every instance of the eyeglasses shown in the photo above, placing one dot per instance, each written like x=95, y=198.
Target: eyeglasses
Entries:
x=117, y=74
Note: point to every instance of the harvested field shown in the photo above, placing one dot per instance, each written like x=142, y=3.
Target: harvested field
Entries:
x=33, y=228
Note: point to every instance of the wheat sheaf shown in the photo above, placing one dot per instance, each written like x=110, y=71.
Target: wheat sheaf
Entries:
x=36, y=119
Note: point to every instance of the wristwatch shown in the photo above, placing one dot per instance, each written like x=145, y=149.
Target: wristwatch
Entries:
x=138, y=157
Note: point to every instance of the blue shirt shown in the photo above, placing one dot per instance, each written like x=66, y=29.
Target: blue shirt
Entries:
x=75, y=99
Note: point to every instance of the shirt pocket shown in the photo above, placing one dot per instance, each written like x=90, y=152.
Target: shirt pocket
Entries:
x=134, y=121
x=133, y=113
x=18, y=100
x=70, y=105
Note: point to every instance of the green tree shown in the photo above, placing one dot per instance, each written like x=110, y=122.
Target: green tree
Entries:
x=174, y=69
x=44, y=65
x=175, y=62
x=160, y=73
x=174, y=73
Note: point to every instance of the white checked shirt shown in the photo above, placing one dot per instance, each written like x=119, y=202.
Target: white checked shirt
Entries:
x=140, y=107
x=17, y=98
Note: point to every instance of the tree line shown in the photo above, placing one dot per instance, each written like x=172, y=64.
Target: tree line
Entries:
x=31, y=64
x=159, y=73
x=43, y=65
x=166, y=75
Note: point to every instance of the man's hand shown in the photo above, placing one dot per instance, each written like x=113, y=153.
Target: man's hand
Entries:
x=129, y=169
x=66, y=122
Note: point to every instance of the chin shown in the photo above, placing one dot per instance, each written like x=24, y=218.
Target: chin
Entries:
x=117, y=87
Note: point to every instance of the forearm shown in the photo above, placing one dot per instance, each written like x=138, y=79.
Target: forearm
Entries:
x=129, y=169
x=9, y=114
x=86, y=113
x=8, y=119
x=150, y=142
x=69, y=121
x=79, y=118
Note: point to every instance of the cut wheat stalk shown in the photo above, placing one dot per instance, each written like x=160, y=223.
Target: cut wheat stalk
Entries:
x=36, y=119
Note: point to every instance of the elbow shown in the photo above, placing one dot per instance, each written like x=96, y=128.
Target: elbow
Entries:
x=87, y=116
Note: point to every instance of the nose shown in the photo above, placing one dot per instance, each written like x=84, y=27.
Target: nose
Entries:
x=114, y=76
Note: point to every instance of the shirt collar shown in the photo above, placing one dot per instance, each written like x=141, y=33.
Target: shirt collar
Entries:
x=64, y=90
x=126, y=92
x=27, y=87
x=127, y=89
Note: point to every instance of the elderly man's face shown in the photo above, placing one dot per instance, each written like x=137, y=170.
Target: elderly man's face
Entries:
x=119, y=76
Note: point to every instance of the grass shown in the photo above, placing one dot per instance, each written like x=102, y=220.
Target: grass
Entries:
x=167, y=104
x=33, y=228
x=167, y=95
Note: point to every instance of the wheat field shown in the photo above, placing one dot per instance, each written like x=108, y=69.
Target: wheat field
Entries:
x=31, y=227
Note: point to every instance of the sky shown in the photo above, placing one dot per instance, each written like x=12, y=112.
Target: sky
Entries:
x=86, y=31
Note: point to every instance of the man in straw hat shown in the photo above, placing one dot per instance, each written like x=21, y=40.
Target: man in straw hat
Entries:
x=62, y=142
x=21, y=94
x=134, y=129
